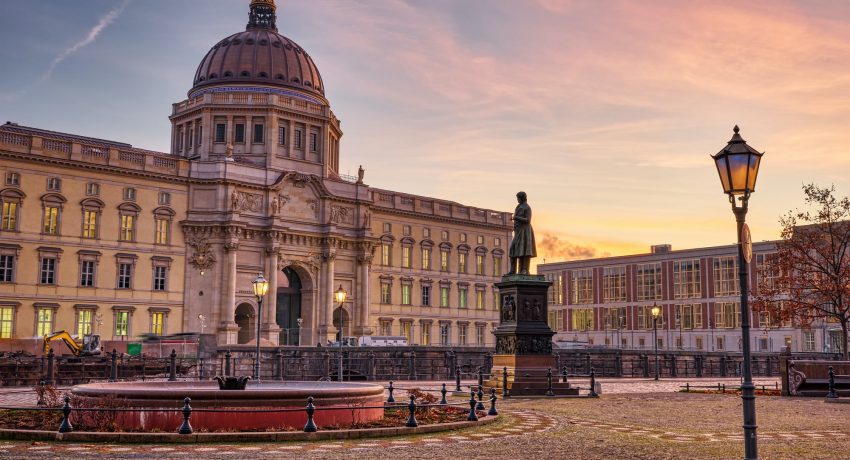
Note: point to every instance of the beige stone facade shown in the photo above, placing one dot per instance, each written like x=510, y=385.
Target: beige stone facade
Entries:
x=251, y=185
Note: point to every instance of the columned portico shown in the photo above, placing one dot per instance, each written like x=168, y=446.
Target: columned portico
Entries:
x=228, y=329
x=270, y=330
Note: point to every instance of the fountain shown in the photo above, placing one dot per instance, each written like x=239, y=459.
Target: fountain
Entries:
x=336, y=403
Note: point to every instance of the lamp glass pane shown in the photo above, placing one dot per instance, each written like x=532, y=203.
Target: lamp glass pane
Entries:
x=738, y=168
x=755, y=160
x=723, y=171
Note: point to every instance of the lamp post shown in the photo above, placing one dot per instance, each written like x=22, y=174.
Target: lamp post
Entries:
x=340, y=296
x=738, y=166
x=656, y=312
x=261, y=286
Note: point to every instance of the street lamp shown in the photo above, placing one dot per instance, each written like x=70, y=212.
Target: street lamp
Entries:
x=340, y=296
x=738, y=166
x=261, y=286
x=656, y=312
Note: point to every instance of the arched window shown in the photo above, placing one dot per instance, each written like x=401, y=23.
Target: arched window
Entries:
x=12, y=200
x=407, y=252
x=162, y=225
x=91, y=208
x=51, y=216
x=128, y=215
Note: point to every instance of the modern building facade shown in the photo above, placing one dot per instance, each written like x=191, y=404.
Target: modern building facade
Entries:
x=607, y=302
x=101, y=237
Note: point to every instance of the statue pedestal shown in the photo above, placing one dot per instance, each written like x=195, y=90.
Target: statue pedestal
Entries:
x=524, y=339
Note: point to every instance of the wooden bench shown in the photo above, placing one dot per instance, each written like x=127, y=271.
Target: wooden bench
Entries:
x=800, y=384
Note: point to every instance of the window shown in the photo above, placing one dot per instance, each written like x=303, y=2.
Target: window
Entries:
x=7, y=321
x=388, y=227
x=479, y=335
x=581, y=286
x=497, y=265
x=386, y=293
x=258, y=134
x=122, y=323
x=92, y=189
x=47, y=274
x=157, y=322
x=164, y=198
x=314, y=142
x=558, y=289
x=54, y=184
x=614, y=284
x=426, y=258
x=479, y=298
x=726, y=281
x=51, y=220
x=497, y=242
x=727, y=314
x=198, y=135
x=686, y=279
x=688, y=316
x=615, y=318
x=220, y=132
x=407, y=331
x=463, y=237
x=720, y=343
x=44, y=320
x=582, y=319
x=299, y=139
x=461, y=262
x=125, y=275
x=129, y=194
x=649, y=281
x=444, y=235
x=13, y=178
x=479, y=264
x=461, y=334
x=11, y=205
x=808, y=340
x=426, y=233
x=556, y=320
x=161, y=235
x=85, y=319
x=444, y=334
x=128, y=227
x=239, y=133
x=87, y=273
x=405, y=256
x=386, y=254
x=462, y=296
x=386, y=327
x=444, y=296
x=406, y=294
x=480, y=239
x=425, y=334
x=90, y=223
x=160, y=275
x=768, y=269
x=406, y=230
x=444, y=260
x=281, y=135
x=426, y=295
x=7, y=268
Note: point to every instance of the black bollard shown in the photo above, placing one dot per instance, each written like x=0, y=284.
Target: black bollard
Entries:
x=227, y=357
x=66, y=426
x=40, y=402
x=310, y=427
x=443, y=392
x=390, y=398
x=565, y=375
x=549, y=391
x=480, y=376
x=832, y=394
x=492, y=410
x=186, y=428
x=480, y=405
x=457, y=379
x=50, y=358
x=472, y=416
x=505, y=382
x=592, y=393
x=279, y=370
x=113, y=369
x=411, y=421
x=172, y=372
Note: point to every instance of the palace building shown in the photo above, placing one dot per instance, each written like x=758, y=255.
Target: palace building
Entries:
x=98, y=236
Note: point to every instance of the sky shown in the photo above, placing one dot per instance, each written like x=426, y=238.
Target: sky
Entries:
x=605, y=112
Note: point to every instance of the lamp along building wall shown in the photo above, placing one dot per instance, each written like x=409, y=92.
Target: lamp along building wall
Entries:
x=251, y=185
x=607, y=302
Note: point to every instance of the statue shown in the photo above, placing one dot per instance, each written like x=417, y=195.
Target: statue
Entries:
x=523, y=247
x=275, y=205
x=228, y=149
x=360, y=173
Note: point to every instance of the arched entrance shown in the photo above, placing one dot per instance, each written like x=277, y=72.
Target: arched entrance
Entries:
x=346, y=322
x=289, y=308
x=245, y=320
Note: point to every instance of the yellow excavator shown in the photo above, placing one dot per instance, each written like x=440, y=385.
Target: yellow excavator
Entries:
x=89, y=347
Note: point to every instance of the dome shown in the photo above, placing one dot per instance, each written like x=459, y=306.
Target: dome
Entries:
x=259, y=55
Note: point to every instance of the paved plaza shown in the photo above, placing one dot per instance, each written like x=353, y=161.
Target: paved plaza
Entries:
x=634, y=418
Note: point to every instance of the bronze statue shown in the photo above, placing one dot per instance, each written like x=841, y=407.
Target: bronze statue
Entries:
x=523, y=247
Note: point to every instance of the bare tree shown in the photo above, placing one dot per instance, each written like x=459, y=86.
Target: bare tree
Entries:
x=809, y=278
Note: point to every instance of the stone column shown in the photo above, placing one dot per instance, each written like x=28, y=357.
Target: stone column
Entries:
x=270, y=330
x=362, y=316
x=228, y=330
x=327, y=330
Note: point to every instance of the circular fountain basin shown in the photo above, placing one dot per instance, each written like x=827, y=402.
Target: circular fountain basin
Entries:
x=335, y=402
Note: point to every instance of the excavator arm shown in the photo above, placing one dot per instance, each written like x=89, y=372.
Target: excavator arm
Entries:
x=65, y=337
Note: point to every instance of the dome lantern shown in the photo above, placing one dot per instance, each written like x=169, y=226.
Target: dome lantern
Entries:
x=262, y=15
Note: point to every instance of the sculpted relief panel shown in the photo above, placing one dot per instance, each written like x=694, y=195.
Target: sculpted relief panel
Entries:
x=244, y=201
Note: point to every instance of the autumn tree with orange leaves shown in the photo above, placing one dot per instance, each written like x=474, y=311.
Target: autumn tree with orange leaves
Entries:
x=809, y=277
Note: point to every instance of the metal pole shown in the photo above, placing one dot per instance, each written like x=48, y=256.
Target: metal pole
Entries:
x=655, y=339
x=341, y=330
x=257, y=357
x=748, y=396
